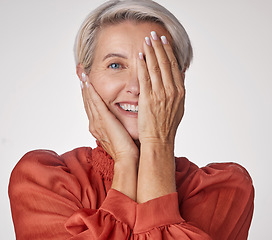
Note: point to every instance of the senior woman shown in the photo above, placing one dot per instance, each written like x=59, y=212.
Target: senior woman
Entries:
x=131, y=59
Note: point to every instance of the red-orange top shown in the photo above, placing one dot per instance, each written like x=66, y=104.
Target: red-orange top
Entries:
x=70, y=197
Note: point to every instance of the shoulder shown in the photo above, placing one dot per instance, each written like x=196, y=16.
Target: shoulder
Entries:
x=225, y=171
x=40, y=164
x=231, y=176
x=34, y=160
x=48, y=158
x=230, y=171
x=218, y=177
x=213, y=177
x=43, y=174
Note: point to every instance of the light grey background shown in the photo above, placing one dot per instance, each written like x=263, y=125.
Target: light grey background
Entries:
x=228, y=107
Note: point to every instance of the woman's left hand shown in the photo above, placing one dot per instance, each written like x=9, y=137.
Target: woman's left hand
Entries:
x=161, y=102
x=161, y=108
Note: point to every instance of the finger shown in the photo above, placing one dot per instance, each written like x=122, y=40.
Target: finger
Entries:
x=94, y=100
x=143, y=76
x=163, y=62
x=91, y=98
x=99, y=110
x=85, y=96
x=178, y=76
x=153, y=67
x=90, y=110
x=85, y=101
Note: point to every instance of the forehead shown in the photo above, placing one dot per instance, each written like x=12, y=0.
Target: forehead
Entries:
x=126, y=37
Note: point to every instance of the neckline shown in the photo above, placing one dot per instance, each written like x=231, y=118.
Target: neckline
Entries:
x=101, y=162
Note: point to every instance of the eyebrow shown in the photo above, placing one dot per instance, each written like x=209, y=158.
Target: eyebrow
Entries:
x=110, y=55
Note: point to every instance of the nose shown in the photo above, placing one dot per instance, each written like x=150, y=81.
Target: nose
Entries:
x=132, y=86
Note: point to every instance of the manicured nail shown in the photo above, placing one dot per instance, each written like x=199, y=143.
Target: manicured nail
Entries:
x=87, y=85
x=164, y=40
x=83, y=75
x=141, y=56
x=154, y=35
x=147, y=40
x=81, y=84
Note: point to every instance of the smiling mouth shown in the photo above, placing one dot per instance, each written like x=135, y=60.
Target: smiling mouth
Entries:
x=129, y=107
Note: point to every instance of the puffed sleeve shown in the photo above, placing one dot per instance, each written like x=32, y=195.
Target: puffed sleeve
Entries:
x=214, y=202
x=46, y=203
x=219, y=199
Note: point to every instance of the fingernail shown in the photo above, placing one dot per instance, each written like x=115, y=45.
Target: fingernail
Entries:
x=141, y=56
x=164, y=40
x=154, y=35
x=81, y=84
x=83, y=75
x=87, y=85
x=147, y=40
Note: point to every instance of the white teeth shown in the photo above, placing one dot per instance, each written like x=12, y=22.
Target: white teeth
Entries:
x=129, y=107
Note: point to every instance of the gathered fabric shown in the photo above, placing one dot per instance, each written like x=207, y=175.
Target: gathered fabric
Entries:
x=69, y=196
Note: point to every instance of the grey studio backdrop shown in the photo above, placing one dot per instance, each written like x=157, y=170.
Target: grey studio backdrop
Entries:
x=228, y=103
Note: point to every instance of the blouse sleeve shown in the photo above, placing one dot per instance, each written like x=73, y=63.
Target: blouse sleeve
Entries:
x=214, y=202
x=219, y=199
x=46, y=203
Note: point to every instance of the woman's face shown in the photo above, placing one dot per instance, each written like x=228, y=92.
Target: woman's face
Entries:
x=114, y=70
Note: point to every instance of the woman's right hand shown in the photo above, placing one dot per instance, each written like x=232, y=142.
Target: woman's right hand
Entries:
x=105, y=127
x=115, y=139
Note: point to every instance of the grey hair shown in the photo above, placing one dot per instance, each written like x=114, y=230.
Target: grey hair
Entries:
x=117, y=11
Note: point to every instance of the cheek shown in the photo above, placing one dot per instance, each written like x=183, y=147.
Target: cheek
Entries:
x=108, y=88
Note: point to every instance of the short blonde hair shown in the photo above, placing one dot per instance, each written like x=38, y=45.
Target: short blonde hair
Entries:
x=117, y=11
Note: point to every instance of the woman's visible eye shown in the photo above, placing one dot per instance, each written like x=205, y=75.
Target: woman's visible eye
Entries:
x=115, y=66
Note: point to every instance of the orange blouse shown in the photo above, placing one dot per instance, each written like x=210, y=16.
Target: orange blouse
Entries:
x=70, y=197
